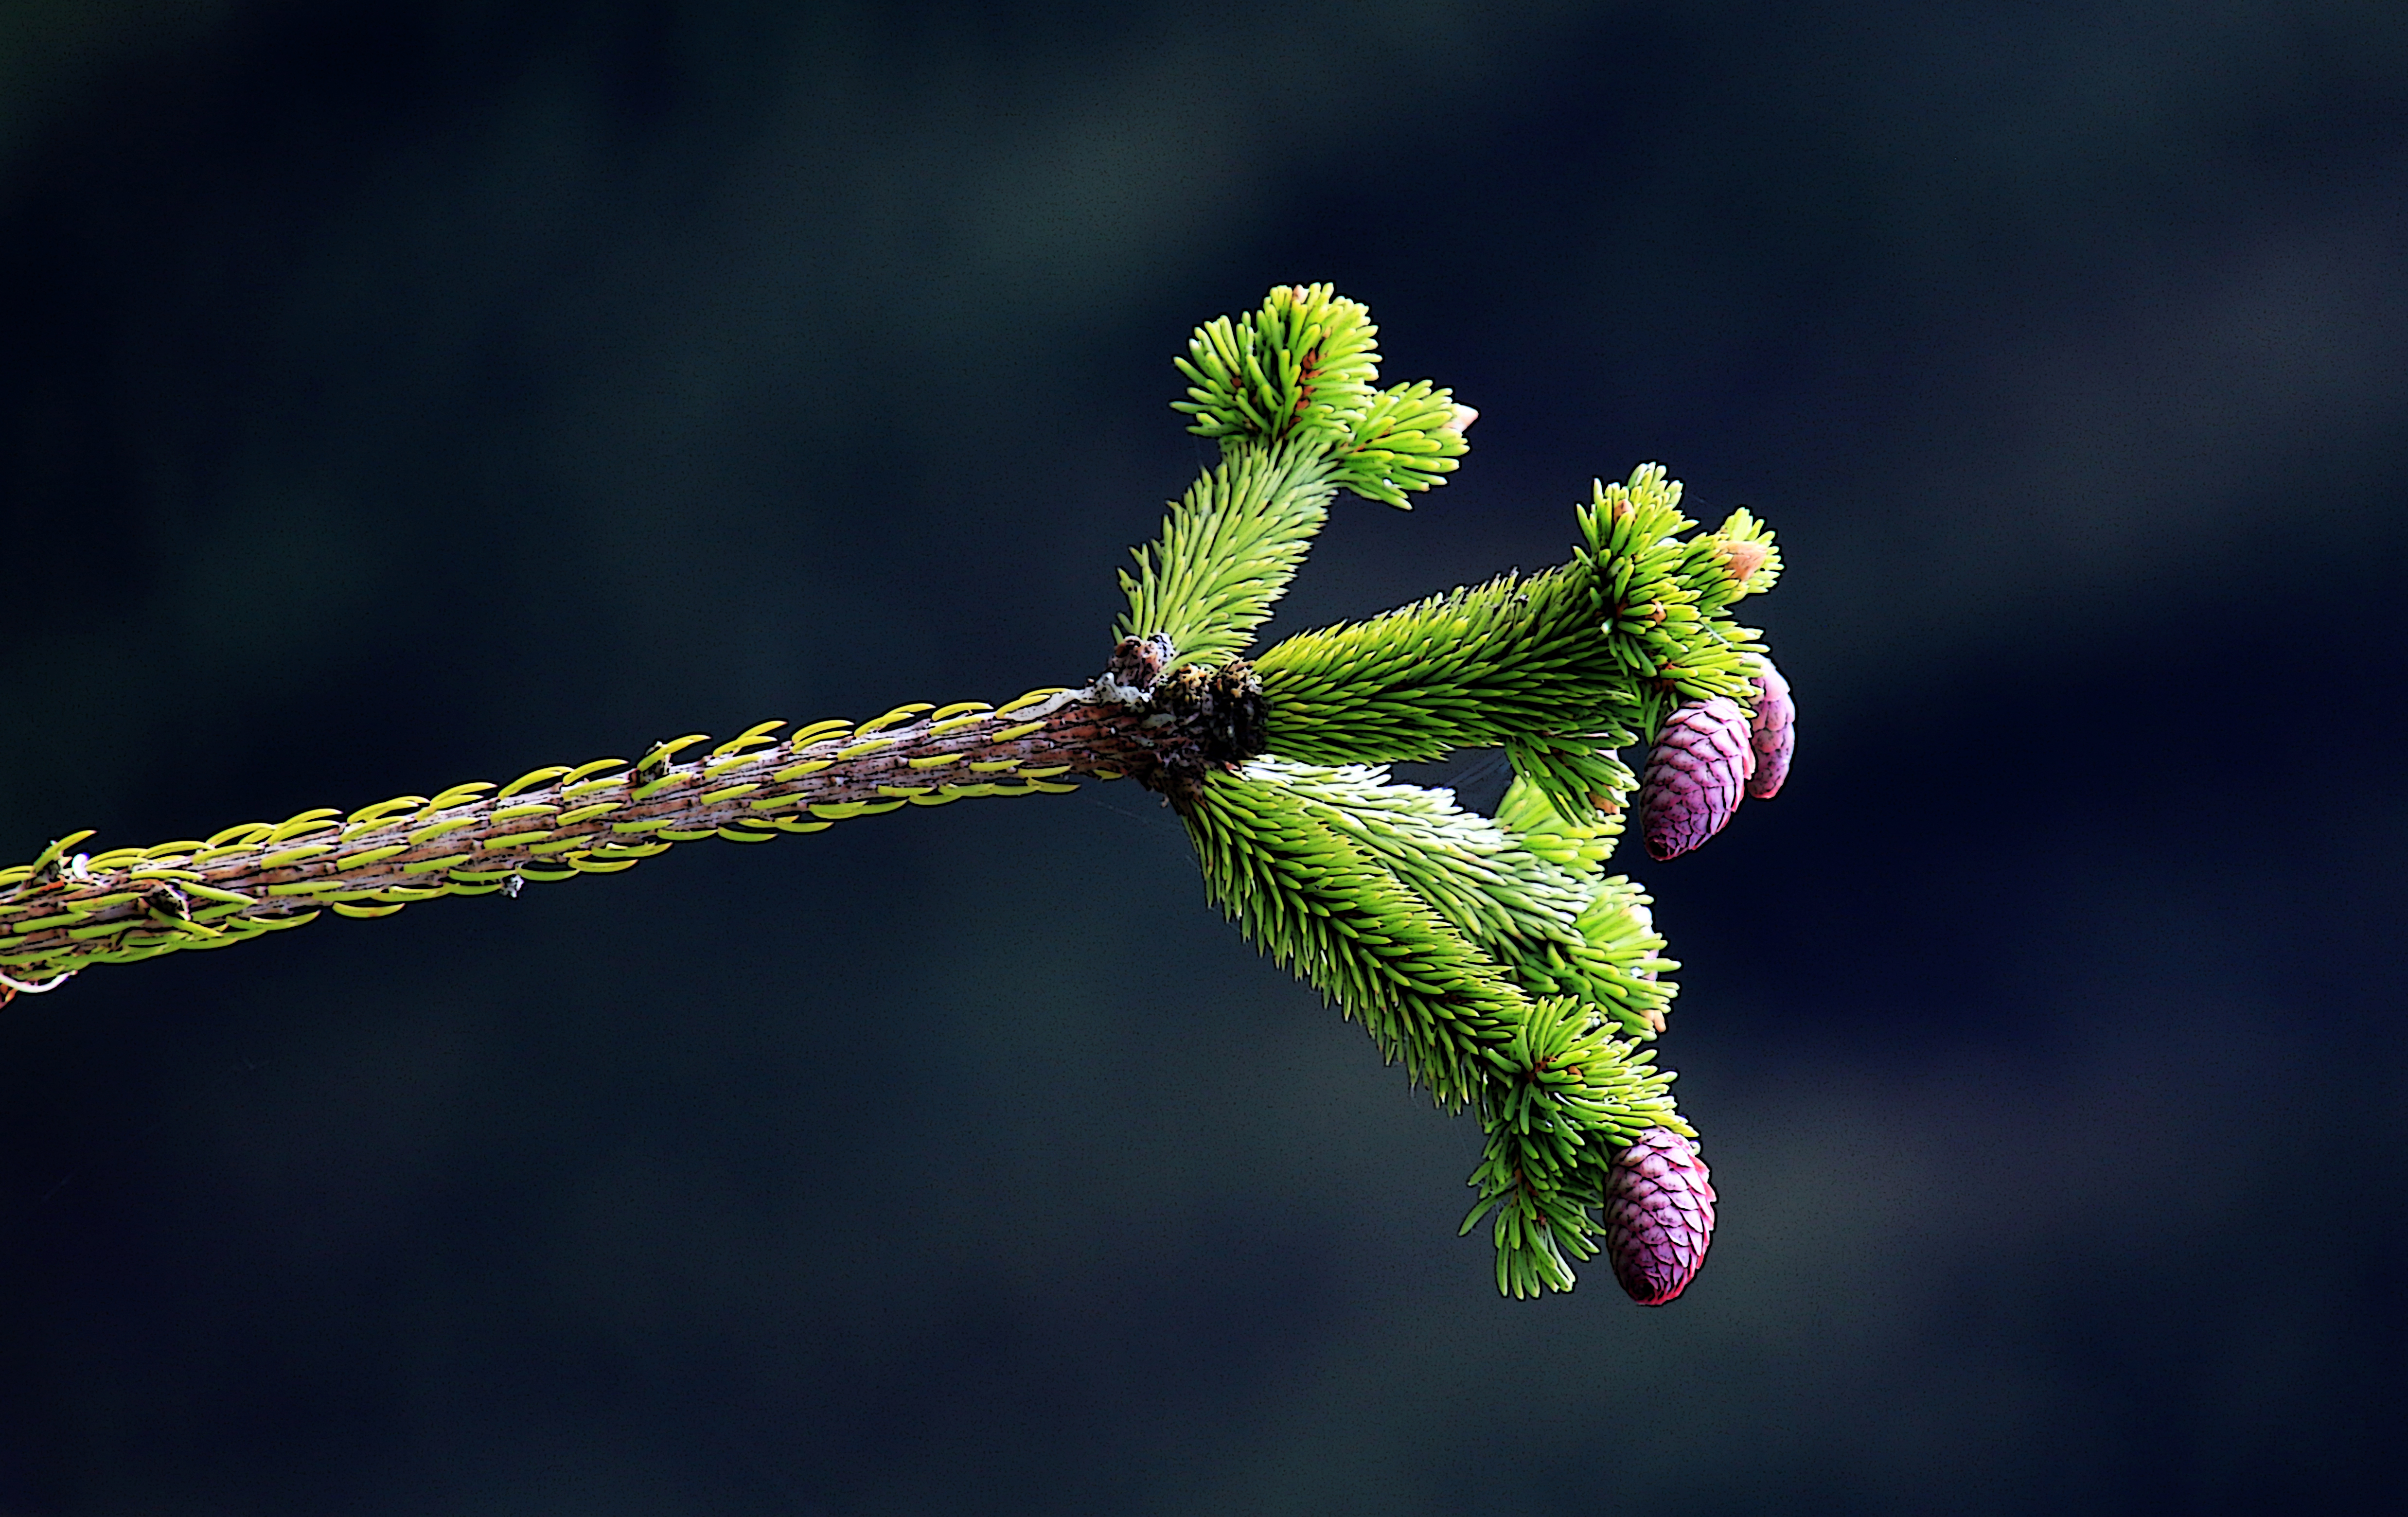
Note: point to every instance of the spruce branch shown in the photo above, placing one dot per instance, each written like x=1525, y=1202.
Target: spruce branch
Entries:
x=61, y=913
x=1492, y=956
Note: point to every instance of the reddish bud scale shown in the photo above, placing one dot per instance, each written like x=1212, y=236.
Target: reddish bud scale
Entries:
x=1743, y=558
x=1696, y=774
x=1772, y=734
x=1659, y=1216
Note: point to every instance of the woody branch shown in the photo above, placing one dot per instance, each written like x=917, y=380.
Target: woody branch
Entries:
x=606, y=816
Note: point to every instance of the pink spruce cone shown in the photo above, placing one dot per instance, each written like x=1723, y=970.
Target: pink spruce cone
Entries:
x=1696, y=776
x=1772, y=734
x=1659, y=1215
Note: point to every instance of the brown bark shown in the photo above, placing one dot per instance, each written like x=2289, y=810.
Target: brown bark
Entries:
x=177, y=895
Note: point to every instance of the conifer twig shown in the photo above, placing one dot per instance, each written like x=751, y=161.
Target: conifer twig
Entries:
x=1492, y=956
x=66, y=911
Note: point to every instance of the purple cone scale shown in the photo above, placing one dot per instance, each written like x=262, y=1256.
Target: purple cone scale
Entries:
x=1696, y=774
x=1659, y=1215
x=1772, y=734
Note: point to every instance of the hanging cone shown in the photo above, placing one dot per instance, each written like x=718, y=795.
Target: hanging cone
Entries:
x=1659, y=1215
x=1696, y=776
x=1772, y=734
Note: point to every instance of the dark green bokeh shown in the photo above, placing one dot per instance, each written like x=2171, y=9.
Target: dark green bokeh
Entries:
x=403, y=395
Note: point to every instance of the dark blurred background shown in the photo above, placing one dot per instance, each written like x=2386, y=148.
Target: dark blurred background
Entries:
x=397, y=394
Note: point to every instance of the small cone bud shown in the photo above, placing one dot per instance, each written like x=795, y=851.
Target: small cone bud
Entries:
x=1744, y=557
x=1696, y=774
x=1659, y=1216
x=1460, y=421
x=1772, y=734
x=1137, y=662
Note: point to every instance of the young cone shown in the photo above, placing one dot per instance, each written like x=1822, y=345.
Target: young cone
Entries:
x=1659, y=1216
x=1696, y=776
x=1772, y=734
